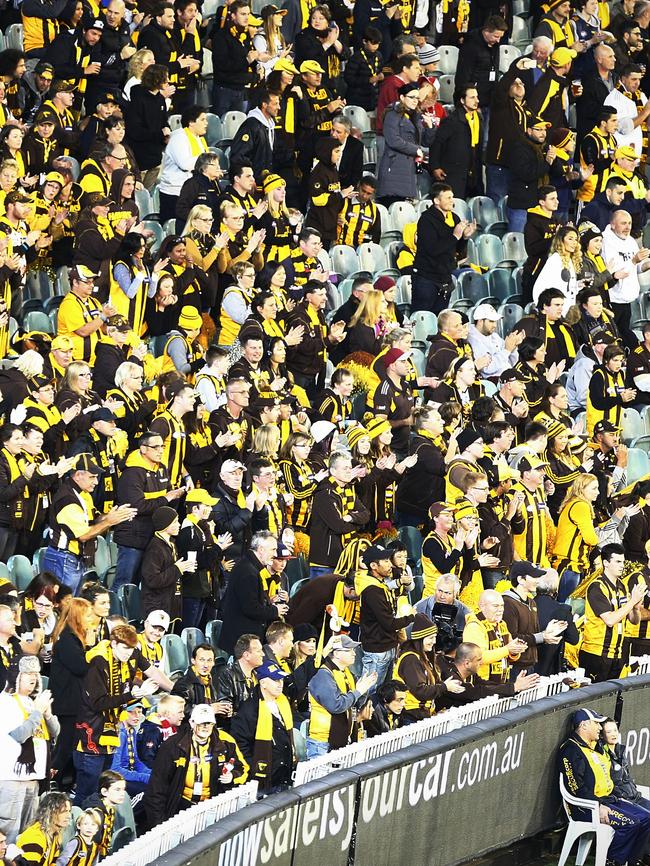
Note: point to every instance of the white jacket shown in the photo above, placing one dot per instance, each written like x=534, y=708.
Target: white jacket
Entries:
x=178, y=162
x=550, y=277
x=15, y=729
x=622, y=251
x=626, y=134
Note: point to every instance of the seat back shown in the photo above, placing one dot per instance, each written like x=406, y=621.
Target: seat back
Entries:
x=192, y=637
x=344, y=260
x=358, y=117
x=514, y=247
x=175, y=657
x=448, y=59
x=447, y=87
x=372, y=257
x=402, y=212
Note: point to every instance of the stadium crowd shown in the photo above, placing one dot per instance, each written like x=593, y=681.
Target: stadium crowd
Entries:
x=259, y=500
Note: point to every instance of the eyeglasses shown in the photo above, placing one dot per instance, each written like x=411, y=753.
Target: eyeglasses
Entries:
x=155, y=447
x=46, y=605
x=84, y=375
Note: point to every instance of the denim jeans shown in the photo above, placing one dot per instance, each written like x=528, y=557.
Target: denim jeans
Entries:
x=497, y=177
x=516, y=219
x=192, y=612
x=226, y=99
x=127, y=569
x=66, y=566
x=315, y=748
x=318, y=570
x=568, y=582
x=379, y=663
x=89, y=768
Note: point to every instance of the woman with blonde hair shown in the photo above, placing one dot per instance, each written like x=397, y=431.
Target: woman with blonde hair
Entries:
x=266, y=443
x=366, y=327
x=270, y=43
x=70, y=640
x=576, y=533
x=202, y=250
x=75, y=390
x=279, y=239
x=137, y=65
x=562, y=267
x=136, y=411
x=460, y=385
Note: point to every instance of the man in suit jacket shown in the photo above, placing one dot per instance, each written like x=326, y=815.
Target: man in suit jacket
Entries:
x=350, y=165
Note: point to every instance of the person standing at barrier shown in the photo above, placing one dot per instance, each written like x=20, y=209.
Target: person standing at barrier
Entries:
x=587, y=774
x=388, y=712
x=520, y=615
x=610, y=604
x=197, y=763
x=380, y=626
x=263, y=730
x=334, y=698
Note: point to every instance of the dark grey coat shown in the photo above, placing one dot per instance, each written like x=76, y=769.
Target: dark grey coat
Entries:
x=402, y=136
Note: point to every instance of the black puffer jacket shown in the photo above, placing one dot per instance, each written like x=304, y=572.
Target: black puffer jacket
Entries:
x=143, y=488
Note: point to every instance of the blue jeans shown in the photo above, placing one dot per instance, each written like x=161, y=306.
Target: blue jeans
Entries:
x=66, y=566
x=192, y=612
x=568, y=582
x=89, y=768
x=318, y=570
x=128, y=566
x=379, y=663
x=226, y=99
x=516, y=219
x=497, y=177
x=315, y=748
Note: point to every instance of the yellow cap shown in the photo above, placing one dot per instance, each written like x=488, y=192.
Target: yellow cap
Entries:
x=199, y=496
x=626, y=152
x=284, y=64
x=311, y=66
x=562, y=56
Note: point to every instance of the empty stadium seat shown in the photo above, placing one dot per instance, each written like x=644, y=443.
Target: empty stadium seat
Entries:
x=448, y=59
x=344, y=260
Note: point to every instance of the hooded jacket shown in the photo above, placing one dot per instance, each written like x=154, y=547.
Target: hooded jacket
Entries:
x=379, y=625
x=254, y=141
x=325, y=199
x=142, y=487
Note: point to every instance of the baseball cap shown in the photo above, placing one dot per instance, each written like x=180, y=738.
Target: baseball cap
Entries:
x=537, y=123
x=231, y=466
x=120, y=323
x=96, y=199
x=62, y=343
x=61, y=86
x=81, y=272
x=284, y=64
x=106, y=97
x=272, y=9
x=310, y=66
x=626, y=152
x=524, y=569
x=602, y=337
x=200, y=496
x=103, y=414
x=375, y=553
x=531, y=461
x=45, y=117
x=40, y=381
x=486, y=311
x=16, y=196
x=271, y=671
x=347, y=643
x=203, y=713
x=85, y=463
x=393, y=355
x=511, y=375
x=585, y=715
x=562, y=56
x=91, y=23
x=45, y=70
x=54, y=177
x=437, y=508
x=605, y=427
x=158, y=617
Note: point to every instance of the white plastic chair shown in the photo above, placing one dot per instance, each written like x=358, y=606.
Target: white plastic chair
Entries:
x=448, y=59
x=582, y=830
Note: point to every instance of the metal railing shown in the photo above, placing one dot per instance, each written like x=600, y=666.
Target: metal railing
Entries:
x=427, y=729
x=148, y=847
